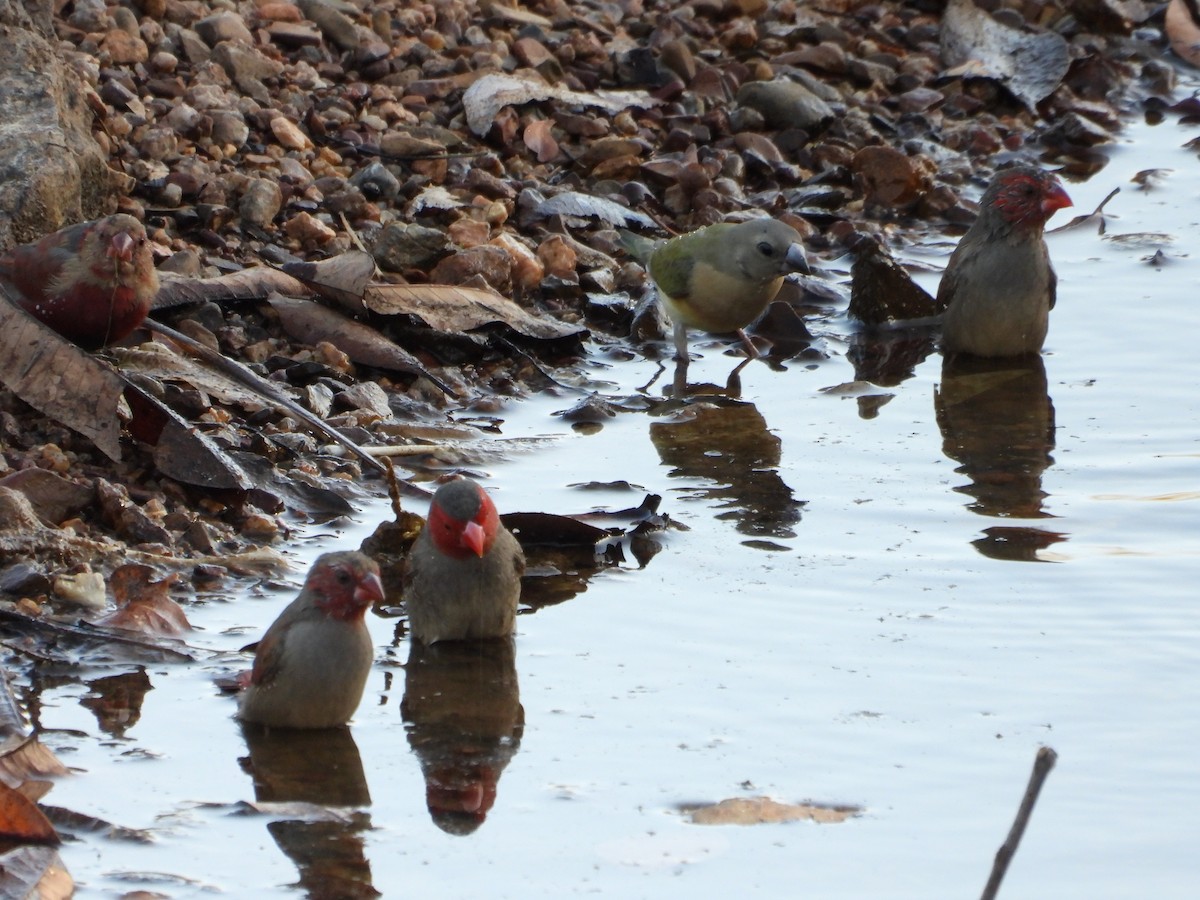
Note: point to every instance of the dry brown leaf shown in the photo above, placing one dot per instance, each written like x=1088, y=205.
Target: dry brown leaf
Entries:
x=255, y=283
x=181, y=451
x=456, y=309
x=160, y=363
x=765, y=811
x=491, y=93
x=21, y=820
x=25, y=760
x=312, y=323
x=342, y=278
x=975, y=45
x=57, y=378
x=539, y=139
x=144, y=605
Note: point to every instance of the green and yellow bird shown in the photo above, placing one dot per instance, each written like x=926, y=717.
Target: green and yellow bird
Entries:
x=721, y=277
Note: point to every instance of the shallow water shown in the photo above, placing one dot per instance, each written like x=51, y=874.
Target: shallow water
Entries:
x=852, y=617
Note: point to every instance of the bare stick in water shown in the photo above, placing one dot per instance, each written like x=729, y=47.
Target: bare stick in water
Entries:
x=1042, y=764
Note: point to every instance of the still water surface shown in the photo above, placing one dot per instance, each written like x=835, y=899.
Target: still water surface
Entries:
x=885, y=604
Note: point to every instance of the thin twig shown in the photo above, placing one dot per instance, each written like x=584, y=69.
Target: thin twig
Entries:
x=266, y=390
x=1042, y=764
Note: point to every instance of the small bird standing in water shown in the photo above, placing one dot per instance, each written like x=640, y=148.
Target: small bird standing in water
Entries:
x=311, y=666
x=999, y=287
x=463, y=576
x=93, y=282
x=721, y=277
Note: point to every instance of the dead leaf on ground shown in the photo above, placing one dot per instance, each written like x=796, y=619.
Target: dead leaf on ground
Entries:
x=342, y=279
x=145, y=605
x=181, y=451
x=974, y=45
x=539, y=139
x=765, y=811
x=578, y=205
x=454, y=309
x=311, y=323
x=254, y=283
x=491, y=93
x=59, y=379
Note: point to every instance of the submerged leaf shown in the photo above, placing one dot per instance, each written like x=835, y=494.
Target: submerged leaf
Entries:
x=765, y=811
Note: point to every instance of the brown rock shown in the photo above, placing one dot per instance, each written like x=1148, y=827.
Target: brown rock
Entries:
x=492, y=264
x=890, y=177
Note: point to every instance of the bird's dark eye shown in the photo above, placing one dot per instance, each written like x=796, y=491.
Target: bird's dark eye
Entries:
x=343, y=577
x=766, y=249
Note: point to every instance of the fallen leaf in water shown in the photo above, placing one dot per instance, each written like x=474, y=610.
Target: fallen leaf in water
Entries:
x=35, y=871
x=765, y=811
x=145, y=605
x=974, y=45
x=26, y=761
x=21, y=820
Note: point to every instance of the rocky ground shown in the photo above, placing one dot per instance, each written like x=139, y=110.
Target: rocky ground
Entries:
x=494, y=147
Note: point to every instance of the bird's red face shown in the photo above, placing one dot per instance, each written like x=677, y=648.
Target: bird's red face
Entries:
x=346, y=589
x=461, y=537
x=1028, y=197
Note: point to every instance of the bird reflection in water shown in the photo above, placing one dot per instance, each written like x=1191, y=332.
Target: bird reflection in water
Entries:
x=321, y=767
x=997, y=422
x=464, y=716
x=726, y=441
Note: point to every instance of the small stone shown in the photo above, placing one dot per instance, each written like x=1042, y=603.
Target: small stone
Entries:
x=308, y=230
x=82, y=589
x=785, y=104
x=229, y=127
x=261, y=201
x=400, y=246
x=365, y=396
x=124, y=49
x=490, y=263
x=260, y=527
x=289, y=135
x=224, y=26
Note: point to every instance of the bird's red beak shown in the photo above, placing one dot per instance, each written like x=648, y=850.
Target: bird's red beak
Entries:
x=121, y=247
x=369, y=590
x=1055, y=199
x=474, y=536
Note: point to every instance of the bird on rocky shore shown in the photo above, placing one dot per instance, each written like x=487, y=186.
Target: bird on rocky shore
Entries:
x=999, y=287
x=463, y=577
x=721, y=277
x=92, y=282
x=311, y=666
